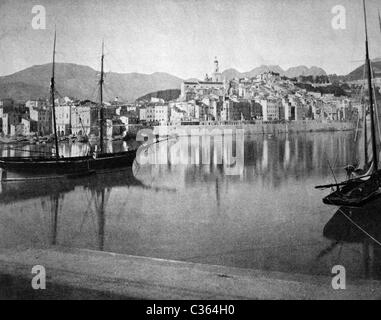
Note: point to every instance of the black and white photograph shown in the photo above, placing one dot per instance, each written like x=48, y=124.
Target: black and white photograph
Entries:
x=203, y=151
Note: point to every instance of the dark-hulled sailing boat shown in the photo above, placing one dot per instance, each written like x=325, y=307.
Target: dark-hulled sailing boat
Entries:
x=55, y=166
x=362, y=188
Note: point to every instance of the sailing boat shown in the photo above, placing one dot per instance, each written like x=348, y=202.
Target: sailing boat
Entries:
x=55, y=166
x=357, y=191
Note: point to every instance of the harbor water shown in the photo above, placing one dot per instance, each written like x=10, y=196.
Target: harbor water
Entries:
x=267, y=215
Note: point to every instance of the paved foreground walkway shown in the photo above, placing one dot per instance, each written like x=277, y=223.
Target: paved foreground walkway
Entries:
x=85, y=274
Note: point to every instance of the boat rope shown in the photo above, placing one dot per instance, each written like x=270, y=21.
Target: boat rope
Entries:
x=359, y=227
x=333, y=173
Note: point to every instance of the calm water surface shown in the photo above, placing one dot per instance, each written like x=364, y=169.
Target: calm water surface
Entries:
x=268, y=217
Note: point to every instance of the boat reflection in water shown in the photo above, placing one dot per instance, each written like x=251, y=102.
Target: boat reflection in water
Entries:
x=354, y=227
x=95, y=192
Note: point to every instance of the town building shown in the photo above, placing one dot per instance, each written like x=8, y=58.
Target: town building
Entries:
x=10, y=119
x=142, y=114
x=157, y=114
x=184, y=111
x=270, y=109
x=42, y=117
x=26, y=126
x=240, y=111
x=36, y=104
x=84, y=118
x=16, y=130
x=177, y=115
x=63, y=119
x=7, y=105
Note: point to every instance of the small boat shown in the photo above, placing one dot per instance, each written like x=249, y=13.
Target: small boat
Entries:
x=64, y=139
x=22, y=140
x=117, y=138
x=55, y=166
x=364, y=182
x=83, y=139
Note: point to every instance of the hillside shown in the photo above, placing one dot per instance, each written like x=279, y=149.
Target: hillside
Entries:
x=166, y=95
x=358, y=73
x=19, y=90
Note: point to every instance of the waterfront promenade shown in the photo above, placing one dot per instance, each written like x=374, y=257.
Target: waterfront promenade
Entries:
x=259, y=127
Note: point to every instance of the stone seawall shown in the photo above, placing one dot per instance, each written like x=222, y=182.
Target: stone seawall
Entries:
x=261, y=128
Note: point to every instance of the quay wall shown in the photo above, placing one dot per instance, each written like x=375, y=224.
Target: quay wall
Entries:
x=261, y=128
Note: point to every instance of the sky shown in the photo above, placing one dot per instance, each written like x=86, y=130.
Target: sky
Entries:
x=182, y=37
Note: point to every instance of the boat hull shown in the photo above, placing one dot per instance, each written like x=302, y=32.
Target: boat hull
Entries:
x=16, y=169
x=105, y=162
x=336, y=199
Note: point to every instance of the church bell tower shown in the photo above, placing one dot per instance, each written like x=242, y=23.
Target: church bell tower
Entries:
x=217, y=76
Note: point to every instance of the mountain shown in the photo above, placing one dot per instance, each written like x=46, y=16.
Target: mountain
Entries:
x=81, y=82
x=358, y=73
x=290, y=73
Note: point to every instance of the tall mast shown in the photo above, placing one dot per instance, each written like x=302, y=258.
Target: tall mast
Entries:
x=101, y=120
x=365, y=135
x=370, y=88
x=52, y=89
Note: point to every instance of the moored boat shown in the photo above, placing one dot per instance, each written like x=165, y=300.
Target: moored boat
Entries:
x=364, y=183
x=52, y=166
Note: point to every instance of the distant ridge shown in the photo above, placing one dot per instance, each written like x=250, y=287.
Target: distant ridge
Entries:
x=290, y=73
